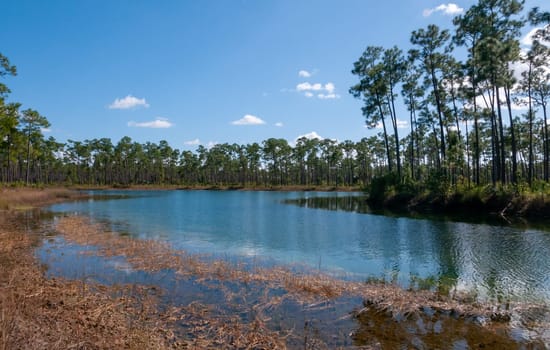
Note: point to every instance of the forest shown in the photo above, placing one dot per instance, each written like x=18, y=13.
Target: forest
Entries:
x=476, y=111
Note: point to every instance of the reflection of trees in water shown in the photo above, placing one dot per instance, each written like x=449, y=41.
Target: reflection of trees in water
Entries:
x=347, y=203
x=447, y=247
x=499, y=262
x=427, y=330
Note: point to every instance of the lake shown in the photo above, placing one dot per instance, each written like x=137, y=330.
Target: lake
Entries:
x=494, y=263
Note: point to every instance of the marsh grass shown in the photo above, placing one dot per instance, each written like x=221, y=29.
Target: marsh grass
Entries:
x=308, y=289
x=25, y=198
x=41, y=313
x=306, y=286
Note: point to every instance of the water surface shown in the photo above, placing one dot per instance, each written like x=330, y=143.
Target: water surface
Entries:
x=495, y=263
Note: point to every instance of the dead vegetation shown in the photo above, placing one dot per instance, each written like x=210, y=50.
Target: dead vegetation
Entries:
x=152, y=255
x=25, y=198
x=40, y=313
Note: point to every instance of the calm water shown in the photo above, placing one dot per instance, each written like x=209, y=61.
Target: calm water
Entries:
x=497, y=263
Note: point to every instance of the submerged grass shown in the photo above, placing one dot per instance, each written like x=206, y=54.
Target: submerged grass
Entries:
x=309, y=290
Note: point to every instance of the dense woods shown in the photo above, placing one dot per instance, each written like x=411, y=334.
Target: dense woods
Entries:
x=477, y=100
x=474, y=101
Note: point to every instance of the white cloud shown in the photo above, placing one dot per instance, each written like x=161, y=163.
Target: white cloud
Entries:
x=159, y=123
x=128, y=102
x=323, y=91
x=304, y=87
x=449, y=9
x=304, y=74
x=527, y=40
x=312, y=135
x=45, y=130
x=279, y=124
x=248, y=120
x=309, y=87
x=194, y=142
x=211, y=144
x=401, y=124
x=328, y=96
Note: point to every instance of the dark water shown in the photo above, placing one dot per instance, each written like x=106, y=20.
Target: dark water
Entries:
x=494, y=263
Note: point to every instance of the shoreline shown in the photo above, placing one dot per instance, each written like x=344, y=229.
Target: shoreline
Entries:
x=219, y=188
x=506, y=206
x=90, y=312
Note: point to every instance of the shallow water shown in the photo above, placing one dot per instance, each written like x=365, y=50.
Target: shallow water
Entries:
x=487, y=262
x=492, y=263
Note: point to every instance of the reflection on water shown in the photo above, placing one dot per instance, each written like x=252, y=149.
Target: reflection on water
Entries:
x=356, y=203
x=499, y=262
x=495, y=263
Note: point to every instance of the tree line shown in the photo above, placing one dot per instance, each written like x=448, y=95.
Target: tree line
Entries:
x=28, y=157
x=464, y=125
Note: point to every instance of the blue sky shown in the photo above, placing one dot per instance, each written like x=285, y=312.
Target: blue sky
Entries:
x=205, y=71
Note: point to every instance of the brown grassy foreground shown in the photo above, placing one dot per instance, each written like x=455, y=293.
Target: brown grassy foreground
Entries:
x=40, y=313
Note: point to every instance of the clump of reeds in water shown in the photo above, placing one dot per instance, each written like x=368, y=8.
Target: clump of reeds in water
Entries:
x=152, y=255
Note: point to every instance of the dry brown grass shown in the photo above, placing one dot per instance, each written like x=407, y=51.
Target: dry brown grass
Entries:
x=40, y=313
x=25, y=198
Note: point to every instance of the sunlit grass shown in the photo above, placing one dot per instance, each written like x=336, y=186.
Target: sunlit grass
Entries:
x=25, y=197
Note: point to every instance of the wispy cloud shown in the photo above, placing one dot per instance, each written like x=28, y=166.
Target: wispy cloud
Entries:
x=248, y=120
x=159, y=123
x=323, y=91
x=194, y=142
x=304, y=74
x=311, y=135
x=279, y=124
x=401, y=124
x=527, y=40
x=45, y=130
x=328, y=96
x=128, y=102
x=449, y=9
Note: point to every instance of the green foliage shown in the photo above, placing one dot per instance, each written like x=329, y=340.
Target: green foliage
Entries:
x=438, y=183
x=390, y=188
